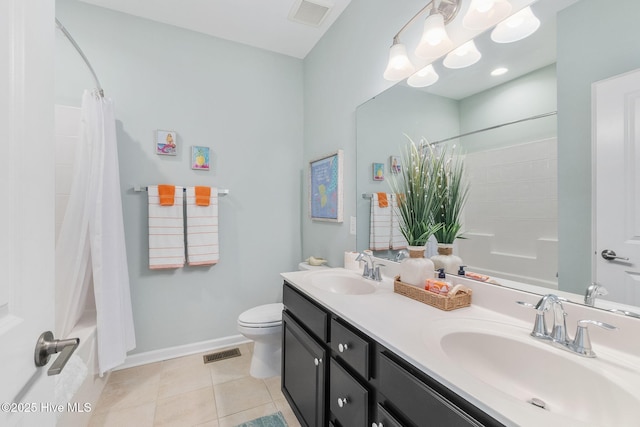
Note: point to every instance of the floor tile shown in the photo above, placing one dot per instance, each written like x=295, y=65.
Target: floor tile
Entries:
x=240, y=395
x=187, y=409
x=139, y=416
x=177, y=379
x=226, y=370
x=126, y=394
x=274, y=385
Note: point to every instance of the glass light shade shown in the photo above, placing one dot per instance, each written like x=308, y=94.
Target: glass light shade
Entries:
x=425, y=77
x=465, y=55
x=399, y=66
x=516, y=27
x=435, y=41
x=486, y=13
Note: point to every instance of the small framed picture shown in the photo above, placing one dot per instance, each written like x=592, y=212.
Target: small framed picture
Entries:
x=325, y=187
x=200, y=158
x=394, y=164
x=378, y=171
x=166, y=142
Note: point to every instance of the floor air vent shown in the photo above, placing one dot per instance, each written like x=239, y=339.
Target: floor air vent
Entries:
x=221, y=355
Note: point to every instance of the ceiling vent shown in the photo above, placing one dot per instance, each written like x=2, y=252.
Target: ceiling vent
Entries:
x=309, y=12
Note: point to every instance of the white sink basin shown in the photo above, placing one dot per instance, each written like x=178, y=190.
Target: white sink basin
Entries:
x=593, y=391
x=342, y=282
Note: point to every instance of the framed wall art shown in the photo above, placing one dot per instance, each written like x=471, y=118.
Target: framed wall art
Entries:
x=325, y=187
x=200, y=158
x=165, y=142
x=378, y=171
x=394, y=165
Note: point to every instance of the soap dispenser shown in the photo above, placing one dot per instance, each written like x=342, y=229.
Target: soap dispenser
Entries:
x=461, y=271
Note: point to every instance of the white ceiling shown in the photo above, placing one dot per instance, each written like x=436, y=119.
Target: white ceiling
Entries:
x=259, y=23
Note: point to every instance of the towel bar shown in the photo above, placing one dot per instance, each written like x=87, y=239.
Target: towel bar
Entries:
x=140, y=188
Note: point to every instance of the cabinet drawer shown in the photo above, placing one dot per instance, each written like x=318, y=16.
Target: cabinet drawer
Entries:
x=352, y=412
x=385, y=419
x=350, y=347
x=418, y=402
x=310, y=315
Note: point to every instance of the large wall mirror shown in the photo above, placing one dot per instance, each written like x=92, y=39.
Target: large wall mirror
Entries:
x=528, y=138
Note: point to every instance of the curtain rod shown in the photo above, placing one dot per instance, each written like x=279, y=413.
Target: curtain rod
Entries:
x=539, y=116
x=75, y=45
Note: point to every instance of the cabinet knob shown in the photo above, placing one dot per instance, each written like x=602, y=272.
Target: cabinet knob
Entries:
x=377, y=425
x=342, y=401
x=342, y=348
x=317, y=361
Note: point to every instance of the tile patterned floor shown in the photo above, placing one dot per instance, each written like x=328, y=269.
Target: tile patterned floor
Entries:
x=186, y=392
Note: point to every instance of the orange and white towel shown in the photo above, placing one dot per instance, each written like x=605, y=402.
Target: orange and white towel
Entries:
x=166, y=227
x=397, y=239
x=380, y=222
x=202, y=226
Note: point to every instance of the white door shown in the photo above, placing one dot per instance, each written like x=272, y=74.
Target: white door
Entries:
x=26, y=208
x=616, y=106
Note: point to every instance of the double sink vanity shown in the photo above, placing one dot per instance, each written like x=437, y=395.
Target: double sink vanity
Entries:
x=357, y=354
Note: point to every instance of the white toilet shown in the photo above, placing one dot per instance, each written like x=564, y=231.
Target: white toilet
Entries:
x=263, y=325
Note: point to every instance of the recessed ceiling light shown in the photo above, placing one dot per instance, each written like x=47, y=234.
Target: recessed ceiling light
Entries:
x=499, y=71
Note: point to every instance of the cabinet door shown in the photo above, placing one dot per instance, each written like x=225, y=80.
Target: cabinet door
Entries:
x=303, y=373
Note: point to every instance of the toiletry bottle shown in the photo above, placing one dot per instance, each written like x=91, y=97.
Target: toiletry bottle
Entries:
x=471, y=275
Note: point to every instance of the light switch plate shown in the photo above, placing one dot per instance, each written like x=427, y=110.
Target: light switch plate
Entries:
x=352, y=225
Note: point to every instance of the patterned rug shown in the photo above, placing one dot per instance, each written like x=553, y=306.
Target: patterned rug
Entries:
x=273, y=420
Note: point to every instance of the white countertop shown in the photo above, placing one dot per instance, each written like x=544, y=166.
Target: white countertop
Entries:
x=412, y=330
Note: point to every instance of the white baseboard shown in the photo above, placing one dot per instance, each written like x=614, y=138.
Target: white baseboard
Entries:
x=181, y=350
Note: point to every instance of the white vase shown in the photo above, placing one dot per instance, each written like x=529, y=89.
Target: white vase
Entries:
x=445, y=259
x=416, y=269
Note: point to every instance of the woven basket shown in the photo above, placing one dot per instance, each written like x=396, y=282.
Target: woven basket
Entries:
x=443, y=302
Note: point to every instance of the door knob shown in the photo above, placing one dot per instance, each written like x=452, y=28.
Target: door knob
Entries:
x=46, y=346
x=610, y=255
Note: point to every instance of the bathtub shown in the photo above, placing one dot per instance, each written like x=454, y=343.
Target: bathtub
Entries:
x=90, y=390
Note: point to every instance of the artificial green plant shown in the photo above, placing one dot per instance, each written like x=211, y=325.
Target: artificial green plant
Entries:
x=453, y=189
x=417, y=197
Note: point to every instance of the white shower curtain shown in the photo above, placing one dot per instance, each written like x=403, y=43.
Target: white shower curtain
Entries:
x=91, y=246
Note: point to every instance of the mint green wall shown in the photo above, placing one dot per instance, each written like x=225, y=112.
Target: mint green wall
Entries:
x=244, y=103
x=342, y=71
x=526, y=96
x=594, y=43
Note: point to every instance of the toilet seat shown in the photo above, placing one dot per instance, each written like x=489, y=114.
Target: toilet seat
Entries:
x=262, y=316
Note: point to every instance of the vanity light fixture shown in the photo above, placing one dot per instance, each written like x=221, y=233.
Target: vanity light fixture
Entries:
x=499, y=71
x=486, y=13
x=517, y=27
x=423, y=78
x=434, y=43
x=464, y=56
x=399, y=66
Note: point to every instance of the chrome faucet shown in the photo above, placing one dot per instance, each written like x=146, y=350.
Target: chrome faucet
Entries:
x=581, y=345
x=593, y=291
x=370, y=270
x=402, y=254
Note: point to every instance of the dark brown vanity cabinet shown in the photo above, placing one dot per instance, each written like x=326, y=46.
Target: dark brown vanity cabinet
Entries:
x=335, y=375
x=304, y=358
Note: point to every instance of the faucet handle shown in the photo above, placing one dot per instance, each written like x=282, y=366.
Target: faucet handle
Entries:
x=582, y=343
x=540, y=325
x=377, y=276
